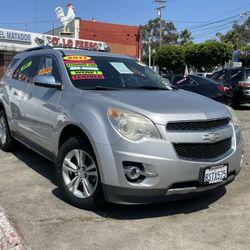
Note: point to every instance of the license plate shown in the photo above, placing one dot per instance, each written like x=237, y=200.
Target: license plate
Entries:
x=215, y=174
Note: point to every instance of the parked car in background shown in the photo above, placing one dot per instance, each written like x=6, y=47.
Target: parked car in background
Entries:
x=202, y=86
x=205, y=74
x=238, y=80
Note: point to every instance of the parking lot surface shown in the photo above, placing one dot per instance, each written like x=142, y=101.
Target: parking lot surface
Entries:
x=220, y=220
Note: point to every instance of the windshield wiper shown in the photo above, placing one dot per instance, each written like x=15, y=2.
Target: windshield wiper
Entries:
x=152, y=87
x=102, y=88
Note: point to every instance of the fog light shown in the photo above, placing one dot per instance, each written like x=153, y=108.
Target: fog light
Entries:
x=132, y=172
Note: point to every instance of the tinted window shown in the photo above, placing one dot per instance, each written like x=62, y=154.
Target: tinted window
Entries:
x=247, y=74
x=48, y=66
x=183, y=81
x=202, y=80
x=103, y=71
x=26, y=71
x=236, y=74
x=219, y=76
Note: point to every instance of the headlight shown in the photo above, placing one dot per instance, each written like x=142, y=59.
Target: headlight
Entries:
x=234, y=117
x=132, y=125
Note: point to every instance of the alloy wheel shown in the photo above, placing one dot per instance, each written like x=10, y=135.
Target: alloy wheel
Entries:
x=80, y=173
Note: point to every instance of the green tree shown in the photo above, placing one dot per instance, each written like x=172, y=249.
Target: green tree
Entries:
x=238, y=36
x=245, y=59
x=206, y=56
x=185, y=37
x=171, y=58
x=152, y=31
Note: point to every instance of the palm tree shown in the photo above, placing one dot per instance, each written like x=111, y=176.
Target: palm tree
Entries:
x=185, y=37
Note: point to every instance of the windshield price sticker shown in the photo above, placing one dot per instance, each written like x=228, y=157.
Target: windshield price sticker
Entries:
x=86, y=72
x=87, y=77
x=77, y=58
x=45, y=71
x=27, y=65
x=79, y=62
x=83, y=67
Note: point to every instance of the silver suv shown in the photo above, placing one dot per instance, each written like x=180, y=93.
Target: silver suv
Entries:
x=116, y=130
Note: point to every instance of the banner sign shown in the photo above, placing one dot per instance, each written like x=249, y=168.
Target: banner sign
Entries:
x=15, y=36
x=65, y=42
x=19, y=41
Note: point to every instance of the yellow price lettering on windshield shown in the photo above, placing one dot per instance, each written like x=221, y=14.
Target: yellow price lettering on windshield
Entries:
x=77, y=58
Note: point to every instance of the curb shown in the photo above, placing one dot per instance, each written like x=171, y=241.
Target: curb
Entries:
x=9, y=238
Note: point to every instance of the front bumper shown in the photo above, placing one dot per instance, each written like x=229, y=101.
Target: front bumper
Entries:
x=175, y=178
x=134, y=196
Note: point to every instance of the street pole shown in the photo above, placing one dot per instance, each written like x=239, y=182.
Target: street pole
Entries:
x=149, y=52
x=159, y=13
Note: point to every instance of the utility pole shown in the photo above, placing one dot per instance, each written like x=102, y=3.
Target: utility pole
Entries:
x=150, y=52
x=159, y=14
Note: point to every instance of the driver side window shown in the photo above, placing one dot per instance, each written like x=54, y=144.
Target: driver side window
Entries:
x=48, y=66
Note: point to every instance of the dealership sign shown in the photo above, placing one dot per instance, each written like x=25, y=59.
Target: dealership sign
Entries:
x=18, y=41
x=65, y=42
x=15, y=36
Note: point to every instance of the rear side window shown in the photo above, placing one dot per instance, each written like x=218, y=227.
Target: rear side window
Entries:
x=219, y=76
x=203, y=81
x=26, y=71
x=236, y=74
x=183, y=81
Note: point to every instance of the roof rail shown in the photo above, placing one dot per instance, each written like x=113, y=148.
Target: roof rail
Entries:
x=39, y=48
x=77, y=48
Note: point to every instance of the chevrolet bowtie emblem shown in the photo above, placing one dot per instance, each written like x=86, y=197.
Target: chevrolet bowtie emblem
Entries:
x=211, y=137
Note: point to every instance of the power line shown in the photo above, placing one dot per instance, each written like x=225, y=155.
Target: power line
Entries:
x=197, y=27
x=216, y=29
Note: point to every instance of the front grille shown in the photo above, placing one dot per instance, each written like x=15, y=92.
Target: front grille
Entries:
x=202, y=151
x=197, y=125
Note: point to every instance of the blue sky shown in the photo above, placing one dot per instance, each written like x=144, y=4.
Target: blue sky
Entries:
x=203, y=17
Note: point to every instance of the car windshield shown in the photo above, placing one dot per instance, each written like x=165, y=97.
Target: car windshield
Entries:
x=103, y=72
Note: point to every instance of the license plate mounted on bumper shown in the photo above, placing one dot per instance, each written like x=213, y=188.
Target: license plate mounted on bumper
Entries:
x=213, y=174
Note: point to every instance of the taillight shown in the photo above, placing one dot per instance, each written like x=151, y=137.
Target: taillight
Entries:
x=224, y=88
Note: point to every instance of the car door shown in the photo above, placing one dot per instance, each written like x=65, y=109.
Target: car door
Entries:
x=18, y=85
x=43, y=100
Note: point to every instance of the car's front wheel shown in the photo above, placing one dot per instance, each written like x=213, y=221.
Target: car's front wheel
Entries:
x=78, y=175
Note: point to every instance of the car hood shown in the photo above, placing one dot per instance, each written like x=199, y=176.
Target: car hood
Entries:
x=164, y=106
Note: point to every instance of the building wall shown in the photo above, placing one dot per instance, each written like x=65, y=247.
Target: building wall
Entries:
x=122, y=39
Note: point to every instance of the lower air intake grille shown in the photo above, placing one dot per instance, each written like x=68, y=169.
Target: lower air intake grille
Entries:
x=202, y=151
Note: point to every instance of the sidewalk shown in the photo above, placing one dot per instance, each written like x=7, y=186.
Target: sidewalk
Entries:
x=9, y=238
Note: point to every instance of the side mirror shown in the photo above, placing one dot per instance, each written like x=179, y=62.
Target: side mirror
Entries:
x=47, y=82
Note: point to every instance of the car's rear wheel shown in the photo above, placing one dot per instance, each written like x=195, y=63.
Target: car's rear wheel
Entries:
x=7, y=143
x=78, y=175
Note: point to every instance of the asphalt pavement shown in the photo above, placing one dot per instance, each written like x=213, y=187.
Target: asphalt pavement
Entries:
x=220, y=220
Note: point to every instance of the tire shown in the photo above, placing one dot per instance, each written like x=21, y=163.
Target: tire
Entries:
x=78, y=175
x=7, y=143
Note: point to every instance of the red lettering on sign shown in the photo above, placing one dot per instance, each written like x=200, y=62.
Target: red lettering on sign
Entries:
x=55, y=41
